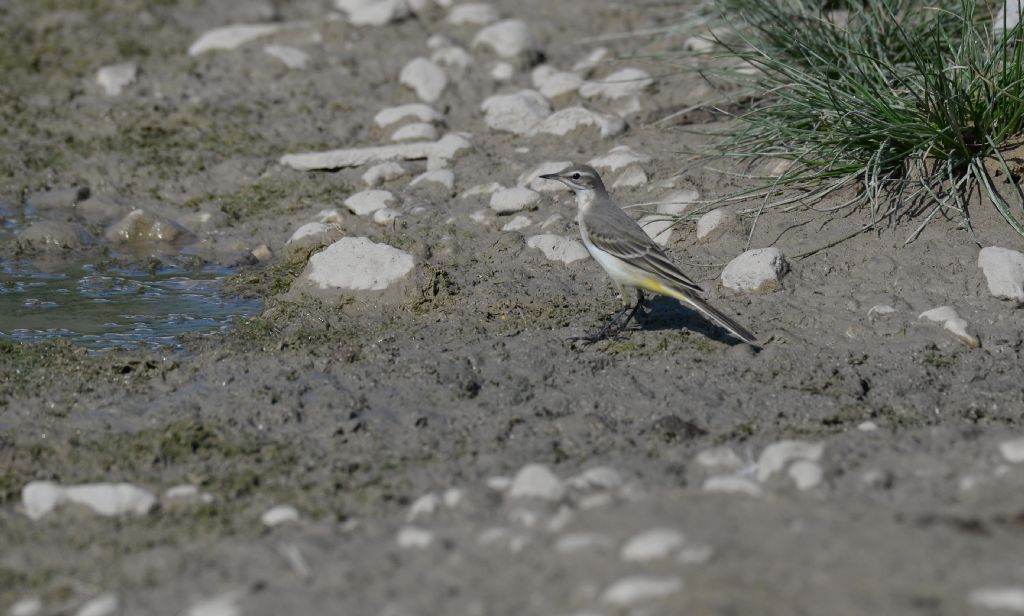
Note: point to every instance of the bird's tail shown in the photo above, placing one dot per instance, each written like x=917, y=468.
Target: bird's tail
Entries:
x=712, y=314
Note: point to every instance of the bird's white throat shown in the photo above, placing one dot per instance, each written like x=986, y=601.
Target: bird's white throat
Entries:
x=584, y=199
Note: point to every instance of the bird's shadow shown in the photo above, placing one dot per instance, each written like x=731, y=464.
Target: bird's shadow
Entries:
x=666, y=313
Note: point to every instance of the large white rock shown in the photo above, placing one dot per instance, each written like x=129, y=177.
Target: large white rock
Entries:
x=652, y=544
x=425, y=78
x=373, y=12
x=369, y=201
x=417, y=131
x=714, y=223
x=115, y=78
x=473, y=14
x=657, y=227
x=622, y=83
x=511, y=200
x=108, y=499
x=292, y=57
x=558, y=248
x=1004, y=271
x=420, y=112
x=509, y=38
x=447, y=148
x=531, y=179
x=755, y=271
x=536, y=481
x=231, y=37
x=641, y=588
x=776, y=456
x=571, y=119
x=517, y=113
x=677, y=202
x=383, y=172
x=358, y=264
x=619, y=157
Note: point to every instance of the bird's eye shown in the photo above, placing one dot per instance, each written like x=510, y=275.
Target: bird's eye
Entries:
x=576, y=176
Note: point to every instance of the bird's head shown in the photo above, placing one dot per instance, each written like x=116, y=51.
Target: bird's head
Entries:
x=577, y=178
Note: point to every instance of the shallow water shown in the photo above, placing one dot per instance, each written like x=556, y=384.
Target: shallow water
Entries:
x=105, y=308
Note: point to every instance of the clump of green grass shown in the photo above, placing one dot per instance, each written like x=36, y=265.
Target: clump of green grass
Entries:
x=906, y=105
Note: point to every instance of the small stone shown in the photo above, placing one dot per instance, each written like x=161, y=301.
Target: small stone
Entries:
x=597, y=478
x=358, y=264
x=224, y=604
x=732, y=484
x=413, y=537
x=445, y=149
x=658, y=228
x=42, y=497
x=532, y=180
x=511, y=200
x=719, y=458
x=386, y=216
x=676, y=203
x=442, y=177
x=185, y=491
x=622, y=83
x=695, y=555
x=558, y=248
x=384, y=172
x=472, y=13
x=103, y=605
x=452, y=497
x=418, y=131
x=29, y=606
x=641, y=588
x=311, y=231
x=632, y=177
x=116, y=77
x=438, y=41
x=482, y=217
x=518, y=113
x=555, y=84
x=373, y=12
x=592, y=60
x=369, y=201
x=880, y=310
x=502, y=71
x=424, y=506
x=453, y=57
x=231, y=37
x=805, y=474
x=939, y=315
x=517, y=223
x=293, y=58
x=536, y=481
x=571, y=119
x=958, y=327
x=755, y=271
x=425, y=78
x=279, y=515
x=652, y=544
x=713, y=224
x=619, y=157
x=776, y=456
x=1004, y=272
x=867, y=426
x=1009, y=599
x=143, y=226
x=415, y=111
x=1013, y=450
x=510, y=38
x=55, y=235
x=482, y=189
x=499, y=483
x=577, y=542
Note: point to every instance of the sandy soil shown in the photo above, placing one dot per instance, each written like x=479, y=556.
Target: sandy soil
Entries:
x=351, y=413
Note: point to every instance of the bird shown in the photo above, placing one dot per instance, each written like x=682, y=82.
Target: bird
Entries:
x=630, y=257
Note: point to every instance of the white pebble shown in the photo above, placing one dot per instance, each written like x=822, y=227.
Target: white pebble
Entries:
x=438, y=41
x=714, y=223
x=509, y=38
x=230, y=37
x=116, y=77
x=939, y=315
x=776, y=456
x=536, y=481
x=41, y=497
x=571, y=543
x=291, y=57
x=453, y=497
x=279, y=515
x=1004, y=271
x=805, y=474
x=511, y=200
x=373, y=12
x=519, y=113
x=867, y=426
x=414, y=537
x=719, y=458
x=597, y=478
x=29, y=606
x=657, y=227
x=553, y=83
x=1009, y=598
x=652, y=544
x=499, y=483
x=623, y=83
x=472, y=13
x=502, y=71
x=755, y=271
x=958, y=327
x=517, y=223
x=558, y=248
x=310, y=229
x=695, y=555
x=446, y=148
x=676, y=203
x=358, y=264
x=442, y=177
x=417, y=131
x=880, y=310
x=425, y=78
x=640, y=588
x=369, y=201
x=384, y=172
x=452, y=56
x=423, y=506
x=418, y=111
x=632, y=177
x=1013, y=450
x=482, y=189
x=532, y=180
x=225, y=604
x=731, y=484
x=571, y=119
x=482, y=217
x=619, y=157
x=591, y=61
x=103, y=605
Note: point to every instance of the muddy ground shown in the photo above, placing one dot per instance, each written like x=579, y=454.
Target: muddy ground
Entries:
x=352, y=412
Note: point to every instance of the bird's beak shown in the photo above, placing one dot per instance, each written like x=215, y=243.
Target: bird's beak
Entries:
x=550, y=176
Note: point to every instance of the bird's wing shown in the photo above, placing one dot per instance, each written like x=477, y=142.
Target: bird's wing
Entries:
x=615, y=232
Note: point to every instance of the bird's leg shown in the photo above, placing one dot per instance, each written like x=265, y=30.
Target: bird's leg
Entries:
x=613, y=327
x=636, y=308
